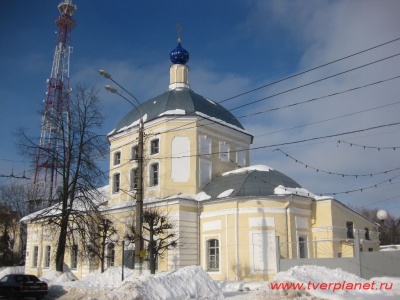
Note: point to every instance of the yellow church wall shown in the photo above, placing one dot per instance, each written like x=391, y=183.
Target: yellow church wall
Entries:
x=123, y=142
x=41, y=236
x=233, y=223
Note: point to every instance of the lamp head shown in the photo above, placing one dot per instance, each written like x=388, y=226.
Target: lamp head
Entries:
x=111, y=89
x=114, y=238
x=105, y=74
x=382, y=215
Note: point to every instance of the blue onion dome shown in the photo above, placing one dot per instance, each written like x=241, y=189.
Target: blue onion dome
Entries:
x=179, y=55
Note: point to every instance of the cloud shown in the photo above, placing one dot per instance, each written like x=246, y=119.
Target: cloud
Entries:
x=324, y=32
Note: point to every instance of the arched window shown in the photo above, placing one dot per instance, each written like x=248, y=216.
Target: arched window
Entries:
x=213, y=255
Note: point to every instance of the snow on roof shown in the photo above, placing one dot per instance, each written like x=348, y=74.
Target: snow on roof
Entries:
x=281, y=190
x=226, y=193
x=100, y=195
x=250, y=168
x=173, y=112
x=133, y=124
x=221, y=122
x=198, y=197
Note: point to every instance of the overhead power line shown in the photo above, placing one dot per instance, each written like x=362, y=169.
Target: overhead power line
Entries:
x=326, y=136
x=334, y=173
x=329, y=119
x=309, y=70
x=321, y=97
x=362, y=189
x=368, y=147
x=316, y=81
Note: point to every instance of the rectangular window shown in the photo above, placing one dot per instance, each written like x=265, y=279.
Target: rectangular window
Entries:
x=224, y=152
x=205, y=146
x=302, y=247
x=117, y=158
x=241, y=156
x=134, y=179
x=154, y=146
x=350, y=230
x=35, y=256
x=135, y=153
x=47, y=256
x=367, y=233
x=154, y=174
x=74, y=257
x=110, y=255
x=213, y=255
x=116, y=183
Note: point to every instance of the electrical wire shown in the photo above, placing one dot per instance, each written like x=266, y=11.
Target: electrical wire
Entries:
x=334, y=173
x=368, y=147
x=309, y=70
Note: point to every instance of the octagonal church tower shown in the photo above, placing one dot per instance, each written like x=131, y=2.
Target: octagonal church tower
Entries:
x=189, y=140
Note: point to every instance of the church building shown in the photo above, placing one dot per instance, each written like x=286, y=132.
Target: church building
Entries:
x=234, y=219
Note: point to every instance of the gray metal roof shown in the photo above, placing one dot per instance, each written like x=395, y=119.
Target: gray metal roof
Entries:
x=251, y=183
x=184, y=99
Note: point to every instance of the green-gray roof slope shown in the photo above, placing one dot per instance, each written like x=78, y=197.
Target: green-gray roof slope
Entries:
x=250, y=183
x=184, y=99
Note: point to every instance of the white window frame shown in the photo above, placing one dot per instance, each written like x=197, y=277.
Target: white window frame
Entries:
x=151, y=174
x=110, y=255
x=302, y=244
x=241, y=156
x=205, y=146
x=35, y=256
x=135, y=152
x=116, y=188
x=224, y=151
x=74, y=257
x=156, y=140
x=216, y=256
x=47, y=256
x=117, y=158
x=133, y=177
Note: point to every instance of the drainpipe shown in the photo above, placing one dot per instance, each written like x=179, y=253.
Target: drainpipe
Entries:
x=198, y=233
x=237, y=240
x=287, y=225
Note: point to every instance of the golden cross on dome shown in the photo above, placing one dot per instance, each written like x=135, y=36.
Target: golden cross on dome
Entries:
x=179, y=26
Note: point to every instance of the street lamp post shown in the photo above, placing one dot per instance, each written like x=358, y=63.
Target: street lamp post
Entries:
x=139, y=193
x=115, y=239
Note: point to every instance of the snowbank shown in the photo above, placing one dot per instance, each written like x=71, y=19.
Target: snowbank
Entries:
x=185, y=283
x=11, y=270
x=324, y=283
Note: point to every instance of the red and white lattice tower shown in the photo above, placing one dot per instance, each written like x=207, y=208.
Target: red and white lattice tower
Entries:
x=56, y=106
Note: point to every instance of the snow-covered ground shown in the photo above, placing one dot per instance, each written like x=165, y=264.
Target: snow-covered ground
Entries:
x=302, y=282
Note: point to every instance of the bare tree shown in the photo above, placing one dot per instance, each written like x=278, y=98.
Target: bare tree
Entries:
x=75, y=160
x=159, y=234
x=97, y=239
x=12, y=208
x=388, y=233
